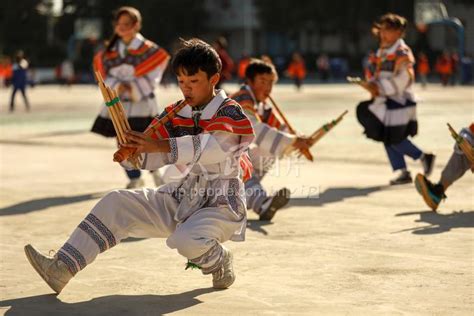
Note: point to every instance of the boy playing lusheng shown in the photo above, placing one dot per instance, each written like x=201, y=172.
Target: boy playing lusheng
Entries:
x=197, y=214
x=271, y=141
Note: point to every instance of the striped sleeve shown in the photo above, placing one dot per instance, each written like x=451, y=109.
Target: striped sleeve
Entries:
x=230, y=119
x=271, y=141
x=156, y=57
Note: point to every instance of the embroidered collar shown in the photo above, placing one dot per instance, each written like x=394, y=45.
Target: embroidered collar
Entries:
x=136, y=42
x=209, y=110
x=247, y=87
x=382, y=52
x=259, y=106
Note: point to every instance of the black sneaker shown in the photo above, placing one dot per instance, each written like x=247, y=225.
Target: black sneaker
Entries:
x=274, y=203
x=403, y=178
x=428, y=163
x=432, y=193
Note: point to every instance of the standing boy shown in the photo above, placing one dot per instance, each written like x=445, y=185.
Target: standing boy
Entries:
x=390, y=116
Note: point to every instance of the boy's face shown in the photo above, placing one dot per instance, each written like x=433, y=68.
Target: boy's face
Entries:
x=388, y=36
x=262, y=85
x=124, y=27
x=197, y=89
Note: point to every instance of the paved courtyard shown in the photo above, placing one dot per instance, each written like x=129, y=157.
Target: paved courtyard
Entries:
x=347, y=243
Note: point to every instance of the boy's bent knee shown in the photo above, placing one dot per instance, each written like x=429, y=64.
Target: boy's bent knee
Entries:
x=187, y=245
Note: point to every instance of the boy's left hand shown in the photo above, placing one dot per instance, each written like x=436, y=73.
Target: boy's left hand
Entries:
x=371, y=87
x=144, y=144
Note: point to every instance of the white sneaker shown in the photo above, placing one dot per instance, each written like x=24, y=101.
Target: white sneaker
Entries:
x=53, y=271
x=135, y=183
x=224, y=277
x=157, y=178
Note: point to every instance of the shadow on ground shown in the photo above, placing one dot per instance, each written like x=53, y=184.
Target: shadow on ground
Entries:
x=44, y=203
x=439, y=223
x=108, y=305
x=257, y=225
x=333, y=195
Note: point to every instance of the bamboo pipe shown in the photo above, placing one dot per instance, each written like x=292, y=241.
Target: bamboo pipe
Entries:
x=304, y=152
x=107, y=98
x=323, y=130
x=124, y=153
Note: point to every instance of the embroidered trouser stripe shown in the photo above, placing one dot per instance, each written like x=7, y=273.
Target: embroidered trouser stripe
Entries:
x=211, y=260
x=72, y=258
x=68, y=262
x=94, y=235
x=197, y=148
x=91, y=218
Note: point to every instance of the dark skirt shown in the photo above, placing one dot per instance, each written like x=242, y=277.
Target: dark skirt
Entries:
x=105, y=127
x=376, y=130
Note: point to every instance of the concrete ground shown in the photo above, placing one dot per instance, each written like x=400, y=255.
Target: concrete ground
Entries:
x=346, y=244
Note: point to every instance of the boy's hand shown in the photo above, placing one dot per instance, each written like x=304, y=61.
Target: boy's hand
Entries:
x=371, y=87
x=144, y=144
x=124, y=88
x=302, y=143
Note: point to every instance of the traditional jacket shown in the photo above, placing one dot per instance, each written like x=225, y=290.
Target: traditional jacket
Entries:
x=141, y=65
x=391, y=116
x=207, y=147
x=270, y=136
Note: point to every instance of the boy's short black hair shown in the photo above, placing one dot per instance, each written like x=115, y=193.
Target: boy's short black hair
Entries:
x=391, y=21
x=258, y=66
x=195, y=55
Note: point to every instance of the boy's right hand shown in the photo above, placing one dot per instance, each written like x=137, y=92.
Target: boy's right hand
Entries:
x=302, y=143
x=371, y=87
x=123, y=88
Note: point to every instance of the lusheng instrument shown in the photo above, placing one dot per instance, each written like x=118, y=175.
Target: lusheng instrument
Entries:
x=125, y=153
x=304, y=152
x=463, y=144
x=356, y=80
x=323, y=130
x=116, y=113
x=369, y=86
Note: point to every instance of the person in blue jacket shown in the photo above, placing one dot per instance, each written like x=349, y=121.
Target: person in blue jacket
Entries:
x=19, y=79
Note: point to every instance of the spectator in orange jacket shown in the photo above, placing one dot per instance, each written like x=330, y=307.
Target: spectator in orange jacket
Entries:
x=297, y=70
x=243, y=63
x=444, y=68
x=423, y=68
x=6, y=71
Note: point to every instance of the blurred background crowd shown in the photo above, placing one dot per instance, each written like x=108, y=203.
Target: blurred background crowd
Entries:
x=54, y=41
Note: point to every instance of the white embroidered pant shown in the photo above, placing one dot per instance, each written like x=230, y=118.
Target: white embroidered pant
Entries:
x=148, y=213
x=255, y=193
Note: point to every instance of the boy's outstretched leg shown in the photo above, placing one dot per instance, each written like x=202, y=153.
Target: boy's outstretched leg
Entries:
x=120, y=214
